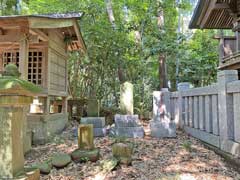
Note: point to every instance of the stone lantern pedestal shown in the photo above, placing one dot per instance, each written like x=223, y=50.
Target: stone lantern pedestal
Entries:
x=15, y=97
x=12, y=116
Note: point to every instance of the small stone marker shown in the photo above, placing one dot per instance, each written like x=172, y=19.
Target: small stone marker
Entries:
x=126, y=98
x=123, y=152
x=85, y=137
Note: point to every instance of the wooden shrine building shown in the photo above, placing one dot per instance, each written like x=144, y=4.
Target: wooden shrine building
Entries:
x=39, y=46
x=221, y=14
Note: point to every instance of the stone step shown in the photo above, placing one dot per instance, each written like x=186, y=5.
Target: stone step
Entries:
x=126, y=120
x=162, y=129
x=130, y=132
x=98, y=122
x=99, y=132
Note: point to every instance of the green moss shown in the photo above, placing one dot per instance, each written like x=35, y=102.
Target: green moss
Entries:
x=9, y=82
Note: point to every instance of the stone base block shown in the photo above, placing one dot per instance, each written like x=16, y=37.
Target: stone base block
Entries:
x=98, y=122
x=130, y=132
x=99, y=132
x=126, y=120
x=162, y=129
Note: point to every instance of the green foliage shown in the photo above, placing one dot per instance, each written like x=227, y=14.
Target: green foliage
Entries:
x=11, y=82
x=187, y=145
x=135, y=46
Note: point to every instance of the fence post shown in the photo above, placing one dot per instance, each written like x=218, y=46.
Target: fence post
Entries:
x=181, y=112
x=225, y=106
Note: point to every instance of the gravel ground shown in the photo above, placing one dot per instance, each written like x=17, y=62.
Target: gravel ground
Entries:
x=182, y=158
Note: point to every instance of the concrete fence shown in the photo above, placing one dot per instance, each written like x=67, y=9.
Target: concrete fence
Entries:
x=212, y=113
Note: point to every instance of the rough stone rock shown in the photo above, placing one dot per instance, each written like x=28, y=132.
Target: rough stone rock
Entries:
x=61, y=160
x=79, y=155
x=162, y=129
x=123, y=152
x=130, y=132
x=45, y=167
x=109, y=164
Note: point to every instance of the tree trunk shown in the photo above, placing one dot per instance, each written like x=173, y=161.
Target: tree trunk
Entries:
x=162, y=72
x=121, y=74
x=162, y=57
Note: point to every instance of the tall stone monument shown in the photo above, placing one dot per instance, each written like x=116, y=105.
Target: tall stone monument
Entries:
x=127, y=124
x=161, y=124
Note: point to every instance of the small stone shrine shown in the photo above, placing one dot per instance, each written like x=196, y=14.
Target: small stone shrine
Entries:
x=127, y=124
x=94, y=119
x=161, y=125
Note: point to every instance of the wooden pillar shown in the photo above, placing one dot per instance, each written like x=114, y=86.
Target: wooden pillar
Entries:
x=23, y=58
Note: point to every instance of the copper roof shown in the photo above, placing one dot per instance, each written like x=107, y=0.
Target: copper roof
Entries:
x=215, y=14
x=50, y=16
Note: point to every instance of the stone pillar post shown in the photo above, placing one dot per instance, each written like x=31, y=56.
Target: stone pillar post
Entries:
x=181, y=87
x=11, y=134
x=126, y=98
x=225, y=106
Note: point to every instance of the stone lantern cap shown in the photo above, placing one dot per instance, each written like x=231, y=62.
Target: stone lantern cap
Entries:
x=16, y=90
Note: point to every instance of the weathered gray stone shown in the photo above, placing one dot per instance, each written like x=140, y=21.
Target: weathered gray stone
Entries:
x=183, y=86
x=126, y=120
x=215, y=115
x=97, y=122
x=123, y=152
x=131, y=132
x=204, y=136
x=99, y=132
x=162, y=129
x=196, y=112
x=161, y=106
x=225, y=106
x=93, y=108
x=61, y=160
x=126, y=98
x=201, y=113
x=208, y=114
x=44, y=167
x=236, y=102
x=79, y=155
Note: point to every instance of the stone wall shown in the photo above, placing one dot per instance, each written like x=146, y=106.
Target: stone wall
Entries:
x=211, y=113
x=44, y=126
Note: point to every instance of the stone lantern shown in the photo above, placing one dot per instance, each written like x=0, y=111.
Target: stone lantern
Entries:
x=15, y=95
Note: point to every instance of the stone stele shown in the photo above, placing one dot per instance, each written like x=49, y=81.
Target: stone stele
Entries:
x=126, y=98
x=85, y=137
x=92, y=108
